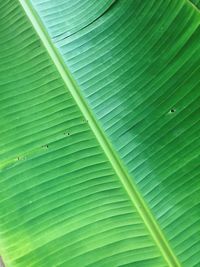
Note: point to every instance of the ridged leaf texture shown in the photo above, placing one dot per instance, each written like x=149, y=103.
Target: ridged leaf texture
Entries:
x=196, y=3
x=99, y=130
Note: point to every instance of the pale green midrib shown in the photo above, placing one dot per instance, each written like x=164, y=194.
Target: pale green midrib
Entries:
x=117, y=165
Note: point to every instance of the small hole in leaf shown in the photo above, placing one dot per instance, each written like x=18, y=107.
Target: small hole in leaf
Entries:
x=172, y=110
x=45, y=146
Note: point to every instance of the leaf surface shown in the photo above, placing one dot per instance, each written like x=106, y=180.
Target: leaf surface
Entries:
x=100, y=126
x=196, y=3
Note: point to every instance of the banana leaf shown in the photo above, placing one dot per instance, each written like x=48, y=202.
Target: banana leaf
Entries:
x=196, y=3
x=99, y=131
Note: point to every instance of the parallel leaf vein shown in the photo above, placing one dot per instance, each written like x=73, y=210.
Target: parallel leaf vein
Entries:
x=115, y=161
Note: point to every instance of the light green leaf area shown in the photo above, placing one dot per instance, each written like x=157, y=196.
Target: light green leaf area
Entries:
x=61, y=202
x=99, y=130
x=65, y=18
x=138, y=67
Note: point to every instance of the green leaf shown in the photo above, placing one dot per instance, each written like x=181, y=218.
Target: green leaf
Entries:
x=196, y=3
x=73, y=15
x=99, y=133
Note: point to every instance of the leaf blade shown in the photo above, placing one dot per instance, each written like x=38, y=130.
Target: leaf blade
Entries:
x=61, y=202
x=159, y=52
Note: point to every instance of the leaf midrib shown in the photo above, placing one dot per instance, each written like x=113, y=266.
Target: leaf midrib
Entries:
x=118, y=166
